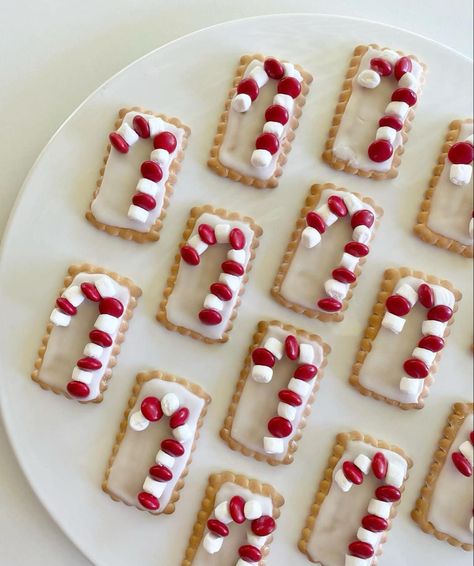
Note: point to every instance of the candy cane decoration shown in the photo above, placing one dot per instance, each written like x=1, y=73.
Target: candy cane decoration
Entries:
x=463, y=459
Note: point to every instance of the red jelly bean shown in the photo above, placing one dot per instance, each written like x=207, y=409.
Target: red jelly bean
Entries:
x=263, y=526
x=221, y=291
x=379, y=465
x=388, y=493
x=161, y=473
x=268, y=141
x=381, y=66
x=179, y=417
x=141, y=126
x=250, y=553
x=118, y=142
x=217, y=527
x=316, y=221
x=380, y=150
x=232, y=267
x=280, y=427
x=148, y=501
x=404, y=95
x=207, y=234
x=442, y=313
x=402, y=66
x=165, y=140
x=396, y=304
x=274, y=68
x=90, y=291
x=64, y=305
x=89, y=364
x=147, y=202
x=374, y=524
x=100, y=338
x=263, y=357
x=416, y=368
x=152, y=171
x=461, y=153
x=151, y=409
x=329, y=304
x=305, y=372
x=361, y=549
x=290, y=397
x=248, y=86
x=462, y=464
x=172, y=447
x=190, y=255
x=111, y=306
x=290, y=86
x=362, y=218
x=426, y=295
x=237, y=239
x=343, y=275
x=432, y=343
x=210, y=317
x=471, y=437
x=78, y=389
x=236, y=509
x=391, y=122
x=357, y=249
x=277, y=113
x=352, y=472
x=337, y=206
x=292, y=347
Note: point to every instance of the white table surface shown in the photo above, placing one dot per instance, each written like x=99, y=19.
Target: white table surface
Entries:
x=54, y=54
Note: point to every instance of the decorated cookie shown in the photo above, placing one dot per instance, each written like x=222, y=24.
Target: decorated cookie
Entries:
x=274, y=393
x=405, y=336
x=86, y=327
x=139, y=171
x=304, y=283
x=203, y=291
x=235, y=524
x=374, y=112
x=258, y=124
x=446, y=215
x=445, y=506
x=157, y=435
x=356, y=502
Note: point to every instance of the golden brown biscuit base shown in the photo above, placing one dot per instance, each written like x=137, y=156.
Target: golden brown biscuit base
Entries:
x=142, y=378
x=196, y=212
x=224, y=171
x=421, y=228
x=420, y=513
x=135, y=292
x=391, y=278
x=325, y=485
x=208, y=503
x=311, y=201
x=343, y=165
x=226, y=431
x=154, y=233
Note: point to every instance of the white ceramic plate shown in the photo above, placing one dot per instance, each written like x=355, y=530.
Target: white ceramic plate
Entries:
x=63, y=446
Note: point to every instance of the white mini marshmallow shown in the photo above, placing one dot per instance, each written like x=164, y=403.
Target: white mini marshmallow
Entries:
x=470, y=139
x=106, y=286
x=232, y=281
x=222, y=232
x=164, y=459
x=241, y=102
x=342, y=481
x=137, y=213
x=349, y=261
x=310, y=237
x=433, y=327
x=262, y=374
x=156, y=124
x=212, y=543
x=362, y=234
x=255, y=540
x=393, y=322
x=259, y=75
x=442, y=296
x=467, y=450
x=138, y=422
x=59, y=318
x=79, y=374
x=183, y=432
x=471, y=227
x=292, y=71
x=74, y=295
x=284, y=100
x=148, y=187
x=299, y=386
x=161, y=156
x=222, y=513
x=326, y=214
x=408, y=292
x=408, y=80
x=286, y=411
x=128, y=133
x=353, y=203
x=154, y=487
x=242, y=562
x=272, y=445
x=412, y=386
x=368, y=78
x=390, y=56
x=397, y=108
x=213, y=302
x=365, y=535
x=275, y=347
x=253, y=509
x=93, y=350
x=426, y=356
x=355, y=561
x=239, y=256
x=379, y=508
x=261, y=158
x=107, y=323
x=306, y=354
x=169, y=404
x=471, y=525
x=196, y=243
x=364, y=463
x=273, y=128
x=336, y=289
x=386, y=133
x=395, y=473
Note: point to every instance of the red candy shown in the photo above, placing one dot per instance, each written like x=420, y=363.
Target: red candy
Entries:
x=388, y=493
x=161, y=473
x=263, y=357
x=352, y=472
x=148, y=501
x=442, y=313
x=141, y=126
x=471, y=437
x=292, y=347
x=217, y=527
x=277, y=113
x=221, y=291
x=89, y=364
x=152, y=171
x=280, y=427
x=402, y=66
x=274, y=68
x=111, y=306
x=432, y=343
x=118, y=142
x=290, y=397
x=66, y=306
x=190, y=255
x=210, y=317
x=396, y=304
x=461, y=152
x=361, y=549
x=362, y=218
x=329, y=304
x=263, y=526
x=165, y=140
x=337, y=206
x=147, y=202
x=357, y=249
x=248, y=86
x=237, y=239
x=380, y=150
x=404, y=95
x=391, y=122
x=100, y=338
x=179, y=417
x=462, y=464
x=78, y=389
x=250, y=553
x=207, y=234
x=289, y=86
x=343, y=275
x=172, y=447
x=236, y=509
x=374, y=524
x=90, y=291
x=151, y=409
x=316, y=221
x=379, y=465
x=425, y=295
x=381, y=66
x=268, y=141
x=416, y=368
x=232, y=267
x=305, y=372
